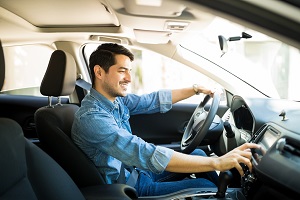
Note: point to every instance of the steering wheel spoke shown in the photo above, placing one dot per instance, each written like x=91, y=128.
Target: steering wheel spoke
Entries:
x=190, y=138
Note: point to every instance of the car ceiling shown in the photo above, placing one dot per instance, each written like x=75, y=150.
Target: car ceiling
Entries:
x=62, y=13
x=143, y=21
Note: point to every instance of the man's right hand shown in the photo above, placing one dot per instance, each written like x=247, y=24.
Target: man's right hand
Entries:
x=232, y=159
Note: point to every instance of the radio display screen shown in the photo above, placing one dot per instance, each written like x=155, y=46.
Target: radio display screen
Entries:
x=265, y=141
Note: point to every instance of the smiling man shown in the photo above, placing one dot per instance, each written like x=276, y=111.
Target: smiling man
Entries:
x=101, y=129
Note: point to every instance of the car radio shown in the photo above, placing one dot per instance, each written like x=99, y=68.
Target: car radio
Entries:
x=265, y=137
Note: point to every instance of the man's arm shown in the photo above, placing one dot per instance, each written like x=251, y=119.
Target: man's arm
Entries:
x=193, y=164
x=184, y=93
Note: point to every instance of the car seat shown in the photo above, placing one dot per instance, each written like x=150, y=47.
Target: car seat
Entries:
x=27, y=172
x=54, y=121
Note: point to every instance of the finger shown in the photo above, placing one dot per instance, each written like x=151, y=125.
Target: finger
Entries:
x=247, y=150
x=248, y=146
x=246, y=153
x=247, y=162
x=240, y=169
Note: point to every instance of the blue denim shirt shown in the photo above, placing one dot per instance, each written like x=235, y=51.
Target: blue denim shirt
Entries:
x=101, y=129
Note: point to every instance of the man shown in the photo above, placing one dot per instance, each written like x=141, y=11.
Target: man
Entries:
x=101, y=129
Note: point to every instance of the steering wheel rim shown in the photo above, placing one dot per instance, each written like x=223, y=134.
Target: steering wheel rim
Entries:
x=199, y=124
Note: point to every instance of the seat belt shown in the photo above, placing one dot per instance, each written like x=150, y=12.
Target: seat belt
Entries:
x=134, y=174
x=121, y=178
x=82, y=87
x=83, y=84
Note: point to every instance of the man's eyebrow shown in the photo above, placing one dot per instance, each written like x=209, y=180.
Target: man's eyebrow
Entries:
x=126, y=68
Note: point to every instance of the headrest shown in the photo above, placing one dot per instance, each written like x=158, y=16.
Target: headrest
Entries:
x=2, y=66
x=60, y=77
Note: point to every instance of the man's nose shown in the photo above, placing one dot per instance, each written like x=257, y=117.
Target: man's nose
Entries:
x=128, y=77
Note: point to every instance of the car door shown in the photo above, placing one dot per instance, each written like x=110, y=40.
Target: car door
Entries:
x=21, y=108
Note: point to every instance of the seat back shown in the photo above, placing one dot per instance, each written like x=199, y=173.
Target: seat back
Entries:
x=29, y=173
x=54, y=122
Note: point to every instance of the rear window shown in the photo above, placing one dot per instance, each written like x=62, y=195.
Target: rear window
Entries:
x=25, y=67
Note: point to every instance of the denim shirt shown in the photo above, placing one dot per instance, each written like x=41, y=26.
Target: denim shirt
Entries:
x=101, y=129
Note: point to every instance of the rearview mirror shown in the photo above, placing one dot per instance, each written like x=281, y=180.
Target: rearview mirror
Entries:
x=223, y=41
x=223, y=44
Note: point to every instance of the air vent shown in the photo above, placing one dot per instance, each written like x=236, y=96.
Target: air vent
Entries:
x=288, y=145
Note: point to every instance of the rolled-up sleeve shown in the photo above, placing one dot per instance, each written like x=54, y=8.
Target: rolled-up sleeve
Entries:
x=160, y=159
x=165, y=99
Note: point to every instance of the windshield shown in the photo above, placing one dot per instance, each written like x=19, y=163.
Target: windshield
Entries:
x=265, y=63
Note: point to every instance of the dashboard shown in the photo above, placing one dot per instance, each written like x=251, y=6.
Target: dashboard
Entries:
x=276, y=166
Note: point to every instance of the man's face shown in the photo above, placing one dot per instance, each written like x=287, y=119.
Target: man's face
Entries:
x=116, y=81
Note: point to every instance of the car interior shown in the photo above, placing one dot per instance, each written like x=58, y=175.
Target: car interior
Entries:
x=247, y=50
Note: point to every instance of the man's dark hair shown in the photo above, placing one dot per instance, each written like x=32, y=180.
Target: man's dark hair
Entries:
x=104, y=56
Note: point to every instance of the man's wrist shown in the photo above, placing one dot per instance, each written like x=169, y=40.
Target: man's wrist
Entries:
x=196, y=89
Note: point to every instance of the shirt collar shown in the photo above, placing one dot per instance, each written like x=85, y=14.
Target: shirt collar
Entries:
x=104, y=101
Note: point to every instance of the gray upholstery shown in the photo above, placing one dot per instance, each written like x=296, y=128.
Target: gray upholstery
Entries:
x=54, y=124
x=29, y=173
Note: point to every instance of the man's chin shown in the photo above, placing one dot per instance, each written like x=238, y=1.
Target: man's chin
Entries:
x=123, y=94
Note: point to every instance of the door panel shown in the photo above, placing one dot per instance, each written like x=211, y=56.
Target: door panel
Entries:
x=21, y=108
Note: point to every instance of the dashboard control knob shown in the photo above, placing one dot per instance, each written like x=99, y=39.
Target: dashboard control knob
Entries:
x=251, y=178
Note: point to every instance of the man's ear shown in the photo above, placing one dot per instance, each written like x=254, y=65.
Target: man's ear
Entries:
x=97, y=71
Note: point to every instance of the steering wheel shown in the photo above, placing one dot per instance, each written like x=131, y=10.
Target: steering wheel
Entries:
x=199, y=124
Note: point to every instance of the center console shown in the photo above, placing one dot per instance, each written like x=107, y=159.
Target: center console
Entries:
x=265, y=137
x=275, y=170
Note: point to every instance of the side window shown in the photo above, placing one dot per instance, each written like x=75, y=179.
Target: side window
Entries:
x=25, y=67
x=151, y=72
